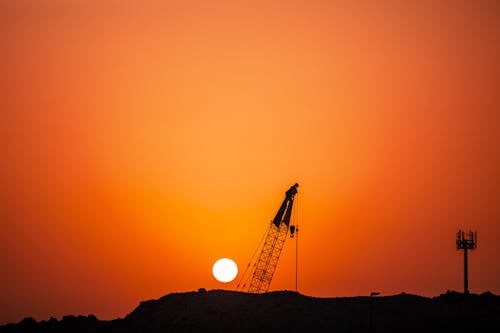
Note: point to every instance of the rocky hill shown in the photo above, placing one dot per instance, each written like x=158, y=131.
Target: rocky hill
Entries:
x=285, y=311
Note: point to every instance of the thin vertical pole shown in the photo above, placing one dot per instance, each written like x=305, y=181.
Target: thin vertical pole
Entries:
x=466, y=279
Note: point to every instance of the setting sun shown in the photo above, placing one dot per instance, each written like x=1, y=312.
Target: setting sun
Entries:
x=225, y=270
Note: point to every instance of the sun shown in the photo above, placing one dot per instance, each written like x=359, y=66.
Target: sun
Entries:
x=225, y=270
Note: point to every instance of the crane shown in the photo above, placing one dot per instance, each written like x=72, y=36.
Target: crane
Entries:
x=267, y=262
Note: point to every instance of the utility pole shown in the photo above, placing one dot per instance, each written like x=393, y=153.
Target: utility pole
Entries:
x=466, y=242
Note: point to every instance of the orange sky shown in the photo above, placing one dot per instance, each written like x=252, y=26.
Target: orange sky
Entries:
x=142, y=142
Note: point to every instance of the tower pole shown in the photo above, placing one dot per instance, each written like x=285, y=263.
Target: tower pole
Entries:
x=466, y=270
x=466, y=242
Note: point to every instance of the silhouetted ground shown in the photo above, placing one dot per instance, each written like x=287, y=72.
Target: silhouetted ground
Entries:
x=285, y=311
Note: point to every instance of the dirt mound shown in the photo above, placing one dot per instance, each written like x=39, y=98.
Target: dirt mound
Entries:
x=285, y=311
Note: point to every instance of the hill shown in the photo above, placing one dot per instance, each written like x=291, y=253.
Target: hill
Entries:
x=285, y=311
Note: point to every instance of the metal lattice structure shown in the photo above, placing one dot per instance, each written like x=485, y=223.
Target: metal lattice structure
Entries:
x=267, y=262
x=268, y=259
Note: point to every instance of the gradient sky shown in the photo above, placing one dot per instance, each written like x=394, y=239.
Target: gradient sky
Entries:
x=143, y=141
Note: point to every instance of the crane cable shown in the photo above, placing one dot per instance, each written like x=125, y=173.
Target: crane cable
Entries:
x=296, y=218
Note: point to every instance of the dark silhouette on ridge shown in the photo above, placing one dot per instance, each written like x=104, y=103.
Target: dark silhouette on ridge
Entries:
x=286, y=311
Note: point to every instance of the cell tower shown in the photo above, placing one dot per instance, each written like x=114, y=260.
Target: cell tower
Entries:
x=266, y=264
x=466, y=242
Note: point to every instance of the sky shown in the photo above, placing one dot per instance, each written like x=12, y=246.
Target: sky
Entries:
x=143, y=140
